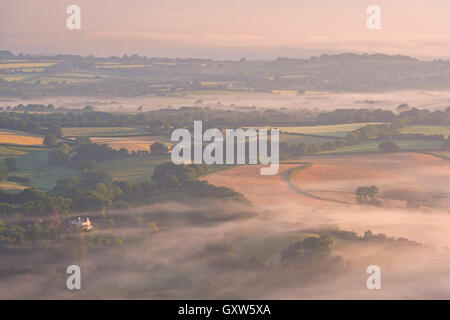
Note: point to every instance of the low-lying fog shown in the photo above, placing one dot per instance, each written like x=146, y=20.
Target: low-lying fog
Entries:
x=215, y=260
x=312, y=100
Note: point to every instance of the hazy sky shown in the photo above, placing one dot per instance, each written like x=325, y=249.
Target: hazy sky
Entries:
x=226, y=29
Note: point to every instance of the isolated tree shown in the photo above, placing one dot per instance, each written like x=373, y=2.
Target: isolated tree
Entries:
x=50, y=140
x=10, y=163
x=367, y=195
x=403, y=107
x=158, y=148
x=388, y=146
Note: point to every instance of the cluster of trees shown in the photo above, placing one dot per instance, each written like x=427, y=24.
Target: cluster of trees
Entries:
x=368, y=132
x=158, y=148
x=446, y=144
x=42, y=122
x=383, y=131
x=311, y=249
x=338, y=116
x=405, y=117
x=369, y=236
x=218, y=117
x=423, y=116
x=95, y=190
x=41, y=215
x=50, y=108
x=83, y=154
x=162, y=121
x=180, y=177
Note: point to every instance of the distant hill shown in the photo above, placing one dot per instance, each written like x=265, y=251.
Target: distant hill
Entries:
x=135, y=75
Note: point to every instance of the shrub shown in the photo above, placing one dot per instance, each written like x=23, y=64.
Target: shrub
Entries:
x=388, y=146
x=11, y=164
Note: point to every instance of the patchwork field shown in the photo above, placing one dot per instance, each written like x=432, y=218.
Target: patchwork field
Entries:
x=20, y=138
x=428, y=130
x=103, y=131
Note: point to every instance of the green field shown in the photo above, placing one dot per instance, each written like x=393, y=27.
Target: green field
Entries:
x=405, y=145
x=428, y=129
x=33, y=163
x=296, y=139
x=335, y=130
x=103, y=131
x=135, y=169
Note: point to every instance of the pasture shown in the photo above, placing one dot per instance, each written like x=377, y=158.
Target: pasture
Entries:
x=33, y=163
x=428, y=130
x=335, y=130
x=133, y=169
x=296, y=139
x=372, y=146
x=103, y=131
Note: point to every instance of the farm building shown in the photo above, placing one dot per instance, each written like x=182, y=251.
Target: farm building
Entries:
x=82, y=224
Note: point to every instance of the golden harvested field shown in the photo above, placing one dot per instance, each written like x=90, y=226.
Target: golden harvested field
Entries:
x=25, y=65
x=19, y=137
x=130, y=143
x=11, y=186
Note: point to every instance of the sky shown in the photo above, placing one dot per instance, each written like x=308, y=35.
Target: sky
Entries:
x=256, y=29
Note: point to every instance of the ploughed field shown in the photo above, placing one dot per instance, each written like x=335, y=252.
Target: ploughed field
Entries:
x=332, y=180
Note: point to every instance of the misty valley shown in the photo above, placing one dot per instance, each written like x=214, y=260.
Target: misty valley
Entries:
x=88, y=178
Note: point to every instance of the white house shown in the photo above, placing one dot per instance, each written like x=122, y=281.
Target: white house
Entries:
x=82, y=224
